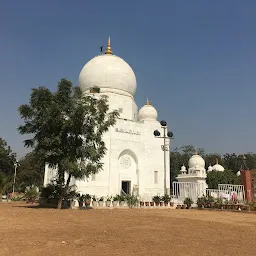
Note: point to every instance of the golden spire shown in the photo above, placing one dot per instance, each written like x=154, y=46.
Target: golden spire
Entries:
x=217, y=161
x=108, y=50
x=147, y=102
x=196, y=153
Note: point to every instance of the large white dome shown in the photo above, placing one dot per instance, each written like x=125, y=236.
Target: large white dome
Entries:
x=147, y=113
x=108, y=72
x=196, y=160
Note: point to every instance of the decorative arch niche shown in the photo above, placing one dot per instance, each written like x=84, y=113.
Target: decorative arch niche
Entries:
x=124, y=158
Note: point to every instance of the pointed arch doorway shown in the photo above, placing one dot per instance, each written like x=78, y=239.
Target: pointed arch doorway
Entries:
x=128, y=172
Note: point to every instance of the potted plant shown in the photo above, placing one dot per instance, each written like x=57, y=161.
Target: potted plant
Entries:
x=80, y=199
x=94, y=201
x=166, y=199
x=132, y=201
x=225, y=205
x=121, y=200
x=188, y=201
x=87, y=199
x=156, y=200
x=209, y=201
x=108, y=201
x=115, y=200
x=101, y=201
x=218, y=203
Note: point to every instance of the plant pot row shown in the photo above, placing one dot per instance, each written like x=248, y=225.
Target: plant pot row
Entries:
x=227, y=206
x=183, y=206
x=161, y=204
x=101, y=203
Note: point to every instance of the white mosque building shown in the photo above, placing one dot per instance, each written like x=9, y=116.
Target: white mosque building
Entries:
x=134, y=162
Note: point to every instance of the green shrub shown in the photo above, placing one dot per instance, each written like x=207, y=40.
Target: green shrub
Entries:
x=87, y=197
x=31, y=193
x=54, y=190
x=205, y=201
x=156, y=199
x=116, y=198
x=132, y=201
x=166, y=199
x=18, y=198
x=121, y=198
x=188, y=201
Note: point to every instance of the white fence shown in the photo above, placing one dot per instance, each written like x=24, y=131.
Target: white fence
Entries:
x=229, y=192
x=182, y=190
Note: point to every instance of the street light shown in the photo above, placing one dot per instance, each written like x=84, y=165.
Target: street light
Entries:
x=166, y=135
x=14, y=178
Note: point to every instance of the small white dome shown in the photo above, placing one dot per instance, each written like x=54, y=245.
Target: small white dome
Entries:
x=108, y=72
x=196, y=161
x=209, y=168
x=218, y=168
x=183, y=168
x=238, y=173
x=147, y=113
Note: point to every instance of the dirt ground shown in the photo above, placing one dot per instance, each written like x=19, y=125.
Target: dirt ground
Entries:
x=33, y=231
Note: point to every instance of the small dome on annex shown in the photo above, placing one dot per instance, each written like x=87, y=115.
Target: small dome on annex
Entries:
x=147, y=113
x=196, y=161
x=108, y=72
x=217, y=167
x=209, y=168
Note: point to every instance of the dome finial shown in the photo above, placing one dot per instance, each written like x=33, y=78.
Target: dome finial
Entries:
x=217, y=161
x=147, y=102
x=108, y=50
x=196, y=153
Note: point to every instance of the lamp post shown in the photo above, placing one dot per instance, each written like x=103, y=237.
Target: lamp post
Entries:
x=166, y=135
x=14, y=178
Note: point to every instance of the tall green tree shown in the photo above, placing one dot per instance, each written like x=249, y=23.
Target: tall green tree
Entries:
x=227, y=177
x=250, y=160
x=232, y=162
x=66, y=129
x=235, y=162
x=30, y=171
x=7, y=158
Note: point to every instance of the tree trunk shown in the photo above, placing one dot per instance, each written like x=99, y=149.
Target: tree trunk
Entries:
x=64, y=191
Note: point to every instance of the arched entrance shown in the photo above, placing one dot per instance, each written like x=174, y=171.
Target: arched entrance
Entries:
x=128, y=172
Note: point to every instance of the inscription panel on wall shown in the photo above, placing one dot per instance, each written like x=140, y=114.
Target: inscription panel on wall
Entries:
x=128, y=131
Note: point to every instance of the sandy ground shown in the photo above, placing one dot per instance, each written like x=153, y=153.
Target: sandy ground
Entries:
x=31, y=231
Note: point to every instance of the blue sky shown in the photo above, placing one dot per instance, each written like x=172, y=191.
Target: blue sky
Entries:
x=195, y=61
